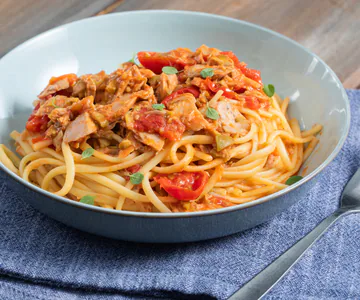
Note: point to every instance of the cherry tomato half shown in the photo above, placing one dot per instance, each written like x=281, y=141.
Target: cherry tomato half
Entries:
x=155, y=61
x=183, y=186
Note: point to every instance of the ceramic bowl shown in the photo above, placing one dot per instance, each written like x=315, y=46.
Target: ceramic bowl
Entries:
x=102, y=43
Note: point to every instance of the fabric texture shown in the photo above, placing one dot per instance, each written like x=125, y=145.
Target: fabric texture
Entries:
x=43, y=259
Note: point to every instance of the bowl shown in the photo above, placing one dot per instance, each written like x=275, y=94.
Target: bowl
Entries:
x=102, y=43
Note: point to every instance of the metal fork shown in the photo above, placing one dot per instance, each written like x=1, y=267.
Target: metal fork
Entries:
x=267, y=278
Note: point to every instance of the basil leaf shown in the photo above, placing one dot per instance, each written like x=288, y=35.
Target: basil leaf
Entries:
x=87, y=199
x=132, y=60
x=169, y=70
x=87, y=153
x=208, y=72
x=211, y=113
x=136, y=178
x=269, y=90
x=293, y=179
x=158, y=106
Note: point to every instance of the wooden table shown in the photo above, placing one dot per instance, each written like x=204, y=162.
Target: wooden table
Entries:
x=330, y=28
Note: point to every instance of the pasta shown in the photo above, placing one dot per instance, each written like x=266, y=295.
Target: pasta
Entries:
x=180, y=131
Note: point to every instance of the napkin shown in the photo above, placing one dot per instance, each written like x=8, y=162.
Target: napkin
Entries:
x=43, y=259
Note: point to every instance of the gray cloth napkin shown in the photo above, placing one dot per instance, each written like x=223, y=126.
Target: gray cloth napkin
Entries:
x=43, y=259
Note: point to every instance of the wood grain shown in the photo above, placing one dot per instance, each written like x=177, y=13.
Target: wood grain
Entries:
x=23, y=19
x=353, y=80
x=110, y=8
x=329, y=28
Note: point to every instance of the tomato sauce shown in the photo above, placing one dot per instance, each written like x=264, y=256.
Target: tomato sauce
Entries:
x=155, y=122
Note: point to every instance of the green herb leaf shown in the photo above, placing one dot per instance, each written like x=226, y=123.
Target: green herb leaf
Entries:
x=208, y=72
x=87, y=153
x=53, y=103
x=293, y=179
x=158, y=106
x=87, y=199
x=132, y=60
x=136, y=178
x=211, y=113
x=169, y=70
x=269, y=90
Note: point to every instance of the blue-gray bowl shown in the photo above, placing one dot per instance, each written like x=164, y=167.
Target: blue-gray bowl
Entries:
x=93, y=44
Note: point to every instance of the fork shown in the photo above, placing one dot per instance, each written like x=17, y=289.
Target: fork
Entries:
x=267, y=278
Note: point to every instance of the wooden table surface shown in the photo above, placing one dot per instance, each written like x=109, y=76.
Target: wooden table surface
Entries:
x=329, y=28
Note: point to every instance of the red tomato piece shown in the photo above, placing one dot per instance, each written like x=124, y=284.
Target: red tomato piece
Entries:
x=133, y=169
x=37, y=123
x=213, y=87
x=252, y=102
x=250, y=73
x=153, y=122
x=155, y=61
x=173, y=130
x=228, y=93
x=149, y=122
x=191, y=90
x=183, y=186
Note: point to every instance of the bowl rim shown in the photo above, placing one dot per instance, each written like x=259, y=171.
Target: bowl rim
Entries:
x=259, y=201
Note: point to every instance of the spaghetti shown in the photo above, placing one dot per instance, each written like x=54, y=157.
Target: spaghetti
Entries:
x=181, y=131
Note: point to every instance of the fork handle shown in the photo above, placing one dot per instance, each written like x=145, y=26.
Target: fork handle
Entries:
x=267, y=278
